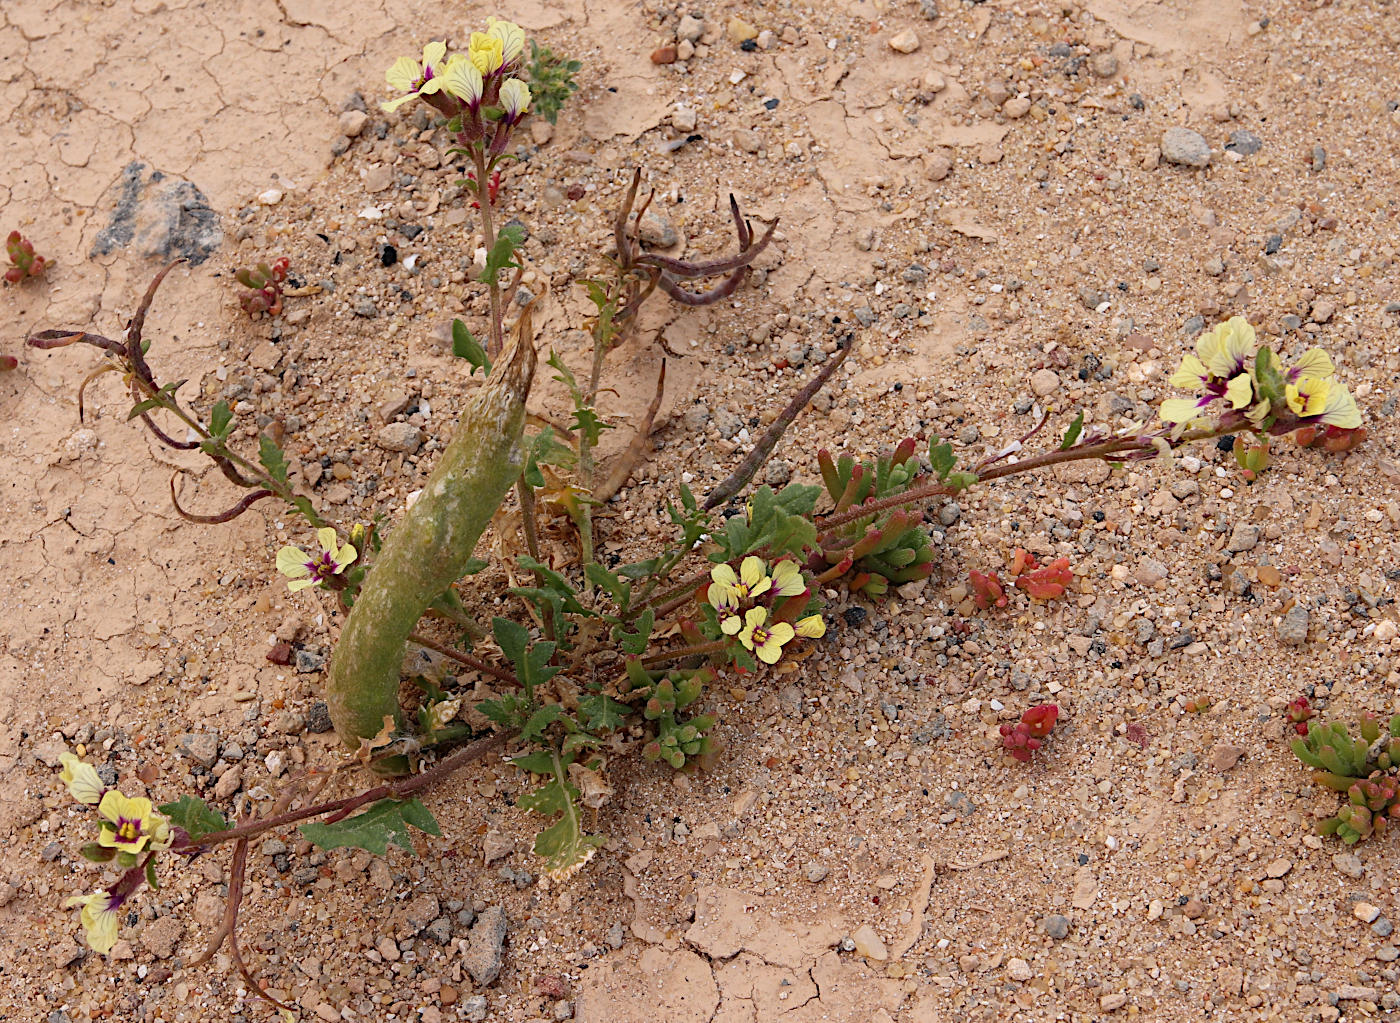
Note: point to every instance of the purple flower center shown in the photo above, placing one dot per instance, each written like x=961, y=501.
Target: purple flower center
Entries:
x=128, y=830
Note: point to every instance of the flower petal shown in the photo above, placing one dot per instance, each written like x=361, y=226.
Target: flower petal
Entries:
x=403, y=74
x=515, y=98
x=325, y=536
x=1179, y=410
x=781, y=633
x=730, y=626
x=1240, y=391
x=1341, y=410
x=812, y=627
x=1314, y=363
x=724, y=575
x=394, y=104
x=769, y=652
x=291, y=562
x=433, y=54
x=1192, y=375
x=512, y=38
x=751, y=571
x=82, y=780
x=787, y=579
x=463, y=80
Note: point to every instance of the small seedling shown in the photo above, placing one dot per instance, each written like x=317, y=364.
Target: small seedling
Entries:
x=1027, y=735
x=24, y=262
x=1041, y=582
x=264, y=284
x=551, y=80
x=1298, y=712
x=1252, y=458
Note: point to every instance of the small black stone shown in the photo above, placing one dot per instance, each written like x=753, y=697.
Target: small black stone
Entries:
x=1273, y=243
x=411, y=231
x=749, y=45
x=771, y=104
x=1225, y=444
x=854, y=615
x=388, y=255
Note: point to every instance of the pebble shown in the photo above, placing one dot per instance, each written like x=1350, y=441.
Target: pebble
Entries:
x=816, y=872
x=1104, y=64
x=229, y=782
x=352, y=122
x=904, y=42
x=1225, y=756
x=400, y=437
x=1045, y=382
x=485, y=953
x=684, y=119
x=1348, y=863
x=1016, y=107
x=937, y=166
x=658, y=231
x=690, y=29
x=495, y=846
x=271, y=197
x=160, y=936
x=1018, y=969
x=1365, y=912
x=1246, y=143
x=1056, y=926
x=201, y=747
x=1185, y=147
x=474, y=1009
x=664, y=55
x=1117, y=1000
x=869, y=944
x=740, y=31
x=1293, y=628
x=1278, y=868
x=1244, y=537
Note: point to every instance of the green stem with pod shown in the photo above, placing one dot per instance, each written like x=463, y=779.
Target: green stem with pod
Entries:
x=430, y=548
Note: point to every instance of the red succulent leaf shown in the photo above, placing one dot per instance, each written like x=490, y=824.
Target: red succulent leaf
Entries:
x=987, y=590
x=1039, y=720
x=1048, y=582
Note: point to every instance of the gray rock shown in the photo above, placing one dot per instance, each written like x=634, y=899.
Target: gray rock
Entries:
x=365, y=308
x=308, y=661
x=163, y=217
x=485, y=953
x=440, y=930
x=949, y=513
x=201, y=747
x=474, y=1008
x=929, y=9
x=777, y=473
x=657, y=231
x=401, y=437
x=318, y=718
x=1104, y=64
x=727, y=423
x=1246, y=143
x=1293, y=629
x=816, y=872
x=1185, y=147
x=352, y=122
x=1193, y=326
x=1244, y=537
x=1056, y=926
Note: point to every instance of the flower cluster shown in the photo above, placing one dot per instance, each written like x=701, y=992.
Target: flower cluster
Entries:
x=1254, y=389
x=735, y=598
x=475, y=89
x=130, y=831
x=320, y=569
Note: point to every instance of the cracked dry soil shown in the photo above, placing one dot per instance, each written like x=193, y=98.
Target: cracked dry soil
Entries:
x=990, y=214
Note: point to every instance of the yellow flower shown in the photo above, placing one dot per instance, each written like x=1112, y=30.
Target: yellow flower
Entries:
x=82, y=780
x=1308, y=397
x=463, y=80
x=1240, y=391
x=1226, y=349
x=515, y=99
x=414, y=78
x=787, y=579
x=485, y=51
x=512, y=38
x=100, y=919
x=133, y=823
x=765, y=642
x=1192, y=375
x=1341, y=410
x=729, y=589
x=812, y=627
x=313, y=570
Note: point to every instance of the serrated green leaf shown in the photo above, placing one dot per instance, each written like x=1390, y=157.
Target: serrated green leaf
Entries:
x=564, y=847
x=418, y=815
x=540, y=720
x=505, y=711
x=601, y=713
x=636, y=642
x=546, y=449
x=220, y=419
x=536, y=763
x=272, y=458
x=609, y=582
x=466, y=346
x=383, y=824
x=195, y=816
x=307, y=509
x=512, y=638
x=510, y=238
x=578, y=741
x=549, y=798
x=474, y=565
x=960, y=480
x=1072, y=434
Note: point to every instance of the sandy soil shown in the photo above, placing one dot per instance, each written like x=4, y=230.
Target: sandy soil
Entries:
x=991, y=205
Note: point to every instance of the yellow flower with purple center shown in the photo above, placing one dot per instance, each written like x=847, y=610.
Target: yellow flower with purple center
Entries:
x=1308, y=397
x=1220, y=369
x=1226, y=349
x=415, y=78
x=313, y=570
x=515, y=99
x=1325, y=400
x=129, y=824
x=766, y=641
x=512, y=39
x=463, y=80
x=82, y=780
x=486, y=52
x=728, y=590
x=100, y=918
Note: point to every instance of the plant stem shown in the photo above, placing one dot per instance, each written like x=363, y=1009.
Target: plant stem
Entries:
x=713, y=647
x=390, y=790
x=488, y=233
x=464, y=659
